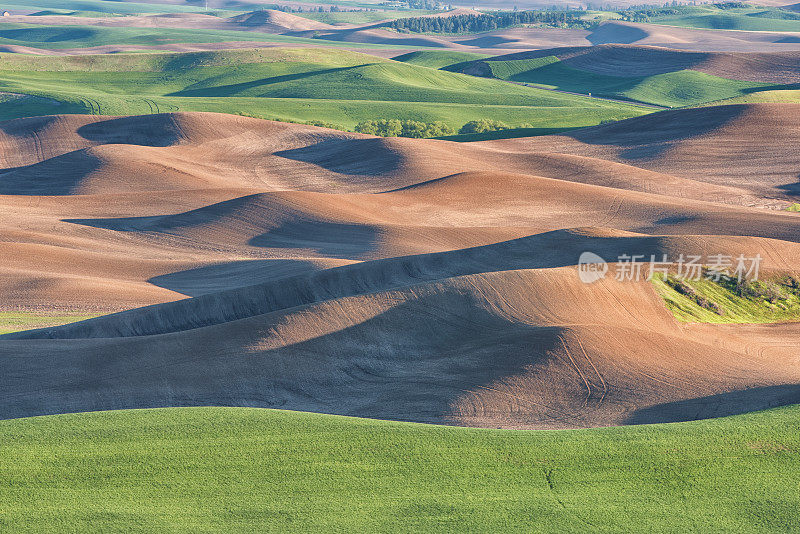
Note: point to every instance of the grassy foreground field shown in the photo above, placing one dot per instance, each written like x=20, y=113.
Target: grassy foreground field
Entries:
x=246, y=470
x=333, y=86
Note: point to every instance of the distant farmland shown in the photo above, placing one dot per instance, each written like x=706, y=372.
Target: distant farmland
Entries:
x=337, y=87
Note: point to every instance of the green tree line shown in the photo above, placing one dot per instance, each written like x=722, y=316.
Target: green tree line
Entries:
x=489, y=21
x=420, y=130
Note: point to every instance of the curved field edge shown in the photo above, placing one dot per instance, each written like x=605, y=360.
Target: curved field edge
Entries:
x=247, y=469
x=782, y=96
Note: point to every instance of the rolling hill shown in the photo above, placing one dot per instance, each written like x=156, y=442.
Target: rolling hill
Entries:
x=272, y=21
x=646, y=74
x=437, y=59
x=745, y=18
x=214, y=321
x=347, y=274
x=338, y=87
x=166, y=29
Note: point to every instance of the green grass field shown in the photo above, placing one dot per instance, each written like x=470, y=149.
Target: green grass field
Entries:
x=255, y=470
x=753, y=18
x=709, y=301
x=78, y=36
x=673, y=89
x=436, y=59
x=334, y=86
x=15, y=321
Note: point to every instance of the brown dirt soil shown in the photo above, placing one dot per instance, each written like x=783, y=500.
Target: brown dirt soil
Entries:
x=290, y=266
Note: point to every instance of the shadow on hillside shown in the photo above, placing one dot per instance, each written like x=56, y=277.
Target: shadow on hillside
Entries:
x=48, y=35
x=409, y=360
x=488, y=41
x=791, y=189
x=230, y=275
x=353, y=241
x=258, y=221
x=57, y=176
x=25, y=127
x=157, y=130
x=365, y=157
x=412, y=362
x=612, y=33
x=650, y=136
x=721, y=405
x=559, y=248
x=236, y=88
x=773, y=87
x=200, y=217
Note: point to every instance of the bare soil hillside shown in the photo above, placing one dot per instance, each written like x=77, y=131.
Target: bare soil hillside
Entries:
x=255, y=263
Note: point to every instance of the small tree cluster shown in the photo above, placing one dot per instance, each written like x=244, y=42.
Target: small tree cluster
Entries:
x=483, y=125
x=398, y=128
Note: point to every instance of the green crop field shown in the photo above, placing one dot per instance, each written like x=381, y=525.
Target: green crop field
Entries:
x=673, y=89
x=14, y=321
x=78, y=36
x=338, y=87
x=436, y=59
x=753, y=18
x=256, y=470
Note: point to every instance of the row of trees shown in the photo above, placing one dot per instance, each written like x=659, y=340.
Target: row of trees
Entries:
x=430, y=5
x=420, y=130
x=313, y=9
x=488, y=21
x=646, y=13
x=398, y=128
